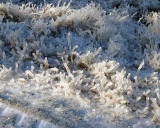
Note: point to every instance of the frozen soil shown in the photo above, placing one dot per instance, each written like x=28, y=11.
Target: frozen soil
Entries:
x=12, y=116
x=78, y=64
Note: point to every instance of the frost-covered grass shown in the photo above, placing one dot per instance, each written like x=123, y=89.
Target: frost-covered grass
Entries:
x=103, y=56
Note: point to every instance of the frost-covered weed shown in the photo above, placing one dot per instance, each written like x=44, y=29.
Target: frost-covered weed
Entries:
x=154, y=60
x=5, y=72
x=51, y=12
x=156, y=110
x=34, y=43
x=87, y=59
x=153, y=20
x=152, y=40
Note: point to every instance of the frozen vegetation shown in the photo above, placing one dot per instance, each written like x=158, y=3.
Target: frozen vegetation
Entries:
x=80, y=63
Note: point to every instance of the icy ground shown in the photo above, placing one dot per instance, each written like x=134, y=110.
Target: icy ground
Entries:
x=79, y=63
x=11, y=117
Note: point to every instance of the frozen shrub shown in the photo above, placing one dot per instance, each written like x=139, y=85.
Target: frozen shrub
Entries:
x=89, y=17
x=154, y=60
x=16, y=13
x=5, y=72
x=87, y=59
x=152, y=43
x=41, y=78
x=153, y=20
x=144, y=91
x=51, y=12
x=34, y=42
x=104, y=83
x=39, y=26
x=156, y=109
